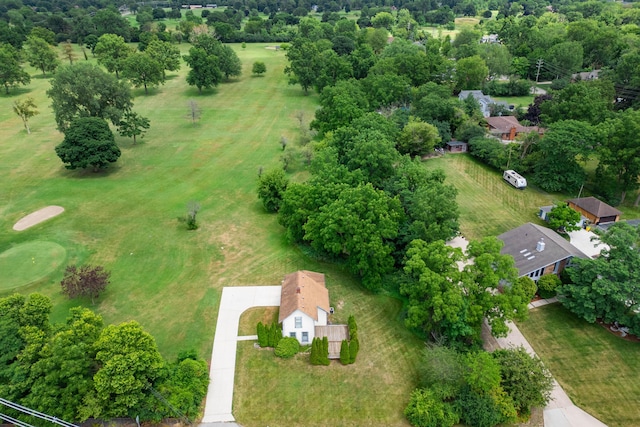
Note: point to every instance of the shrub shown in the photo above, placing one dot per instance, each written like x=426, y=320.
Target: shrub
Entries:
x=354, y=347
x=547, y=285
x=431, y=408
x=353, y=327
x=485, y=409
x=527, y=286
x=345, y=356
x=318, y=356
x=524, y=378
x=287, y=347
x=274, y=334
x=263, y=335
x=325, y=351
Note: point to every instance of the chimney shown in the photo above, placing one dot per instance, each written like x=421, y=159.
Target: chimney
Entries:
x=298, y=288
x=540, y=245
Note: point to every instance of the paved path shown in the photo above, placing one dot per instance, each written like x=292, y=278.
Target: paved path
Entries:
x=560, y=411
x=234, y=301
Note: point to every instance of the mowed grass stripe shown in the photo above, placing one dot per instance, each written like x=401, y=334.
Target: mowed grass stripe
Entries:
x=597, y=369
x=488, y=205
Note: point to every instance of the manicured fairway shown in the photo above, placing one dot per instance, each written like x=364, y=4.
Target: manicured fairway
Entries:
x=488, y=205
x=598, y=370
x=163, y=276
x=29, y=262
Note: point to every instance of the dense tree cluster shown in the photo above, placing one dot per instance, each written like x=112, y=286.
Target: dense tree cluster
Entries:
x=477, y=389
x=82, y=369
x=606, y=287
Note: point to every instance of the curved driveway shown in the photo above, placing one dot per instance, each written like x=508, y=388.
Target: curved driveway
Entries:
x=234, y=301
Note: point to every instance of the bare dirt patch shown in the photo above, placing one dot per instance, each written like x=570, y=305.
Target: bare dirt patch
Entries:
x=38, y=217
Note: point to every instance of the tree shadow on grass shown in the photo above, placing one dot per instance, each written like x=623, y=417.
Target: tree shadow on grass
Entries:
x=194, y=92
x=15, y=92
x=89, y=173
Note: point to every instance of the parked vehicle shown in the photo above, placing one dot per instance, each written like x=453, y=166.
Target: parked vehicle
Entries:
x=515, y=179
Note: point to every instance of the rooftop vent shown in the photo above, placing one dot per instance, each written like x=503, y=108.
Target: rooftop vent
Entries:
x=540, y=245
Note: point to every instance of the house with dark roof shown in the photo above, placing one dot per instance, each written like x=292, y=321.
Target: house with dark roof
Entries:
x=508, y=127
x=304, y=304
x=595, y=210
x=538, y=250
x=485, y=101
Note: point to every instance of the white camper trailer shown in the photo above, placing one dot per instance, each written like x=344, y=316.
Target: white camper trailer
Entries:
x=515, y=179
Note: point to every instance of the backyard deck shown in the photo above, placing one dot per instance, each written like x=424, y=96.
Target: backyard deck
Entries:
x=335, y=334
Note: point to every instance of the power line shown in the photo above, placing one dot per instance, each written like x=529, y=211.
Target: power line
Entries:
x=12, y=420
x=34, y=413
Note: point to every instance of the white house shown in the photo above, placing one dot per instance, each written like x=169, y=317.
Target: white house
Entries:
x=304, y=304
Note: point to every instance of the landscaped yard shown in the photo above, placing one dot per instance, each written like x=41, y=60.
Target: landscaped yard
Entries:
x=373, y=391
x=597, y=369
x=488, y=205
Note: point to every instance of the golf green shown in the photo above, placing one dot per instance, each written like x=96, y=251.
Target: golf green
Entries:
x=29, y=262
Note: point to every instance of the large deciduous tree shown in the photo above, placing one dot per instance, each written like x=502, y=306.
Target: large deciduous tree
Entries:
x=41, y=55
x=619, y=152
x=166, y=54
x=88, y=142
x=608, y=287
x=563, y=145
x=63, y=376
x=471, y=73
x=450, y=304
x=417, y=138
x=85, y=90
x=359, y=225
x=339, y=105
x=111, y=51
x=205, y=72
x=11, y=73
x=303, y=63
x=142, y=70
x=129, y=363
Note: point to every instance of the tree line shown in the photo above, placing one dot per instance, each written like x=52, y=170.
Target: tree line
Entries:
x=83, y=369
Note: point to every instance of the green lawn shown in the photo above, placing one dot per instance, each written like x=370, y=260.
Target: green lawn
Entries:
x=598, y=370
x=373, y=391
x=518, y=101
x=488, y=205
x=165, y=277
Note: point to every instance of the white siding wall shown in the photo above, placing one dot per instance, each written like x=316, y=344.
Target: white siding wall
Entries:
x=289, y=325
x=322, y=318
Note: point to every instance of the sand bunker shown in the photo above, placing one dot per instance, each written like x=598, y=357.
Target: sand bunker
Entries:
x=37, y=217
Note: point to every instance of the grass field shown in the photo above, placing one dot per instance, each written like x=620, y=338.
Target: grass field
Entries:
x=170, y=279
x=488, y=205
x=597, y=369
x=163, y=276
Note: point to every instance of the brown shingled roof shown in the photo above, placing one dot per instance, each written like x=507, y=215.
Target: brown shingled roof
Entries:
x=595, y=206
x=305, y=291
x=505, y=123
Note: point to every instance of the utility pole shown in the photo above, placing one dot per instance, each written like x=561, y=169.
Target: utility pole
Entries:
x=539, y=64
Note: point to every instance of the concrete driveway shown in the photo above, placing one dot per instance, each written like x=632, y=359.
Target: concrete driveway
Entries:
x=234, y=301
x=581, y=239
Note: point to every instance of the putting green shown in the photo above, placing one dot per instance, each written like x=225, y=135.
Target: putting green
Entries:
x=29, y=262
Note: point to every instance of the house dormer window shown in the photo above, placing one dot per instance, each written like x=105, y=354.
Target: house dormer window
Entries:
x=298, y=322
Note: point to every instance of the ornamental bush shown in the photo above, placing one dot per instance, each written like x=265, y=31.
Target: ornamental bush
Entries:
x=263, y=335
x=354, y=347
x=547, y=285
x=287, y=347
x=345, y=356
